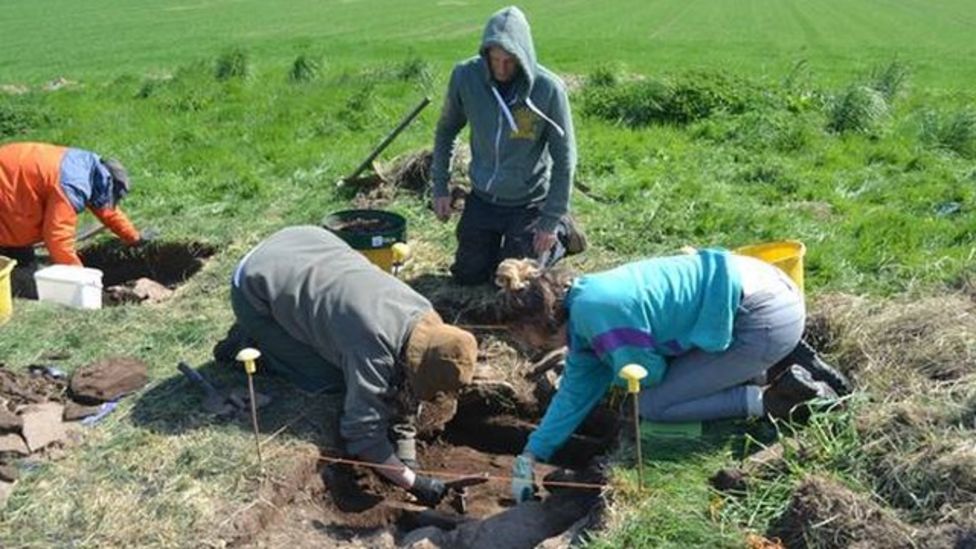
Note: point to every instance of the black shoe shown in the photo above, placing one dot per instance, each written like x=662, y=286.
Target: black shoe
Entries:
x=807, y=357
x=226, y=349
x=575, y=238
x=788, y=395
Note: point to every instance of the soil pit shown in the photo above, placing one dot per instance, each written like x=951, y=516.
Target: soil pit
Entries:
x=343, y=505
x=126, y=269
x=365, y=225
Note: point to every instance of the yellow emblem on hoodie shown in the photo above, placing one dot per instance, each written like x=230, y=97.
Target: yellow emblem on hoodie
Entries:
x=525, y=121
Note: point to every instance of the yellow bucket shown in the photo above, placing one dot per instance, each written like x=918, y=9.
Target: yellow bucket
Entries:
x=6, y=294
x=377, y=234
x=388, y=259
x=785, y=254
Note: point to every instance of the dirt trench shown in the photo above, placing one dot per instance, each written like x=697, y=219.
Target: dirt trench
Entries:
x=340, y=505
x=148, y=273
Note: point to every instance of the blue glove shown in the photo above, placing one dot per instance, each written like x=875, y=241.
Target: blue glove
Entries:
x=523, y=478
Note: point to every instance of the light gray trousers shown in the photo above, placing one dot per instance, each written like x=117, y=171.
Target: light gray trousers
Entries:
x=701, y=386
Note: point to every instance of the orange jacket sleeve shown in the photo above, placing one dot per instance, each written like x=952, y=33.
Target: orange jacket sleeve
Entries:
x=118, y=223
x=59, y=229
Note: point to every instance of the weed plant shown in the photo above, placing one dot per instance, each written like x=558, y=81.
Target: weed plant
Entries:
x=953, y=131
x=233, y=63
x=305, y=69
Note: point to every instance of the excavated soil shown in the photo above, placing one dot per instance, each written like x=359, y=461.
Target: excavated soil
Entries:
x=363, y=225
x=824, y=513
x=125, y=268
x=342, y=505
x=19, y=389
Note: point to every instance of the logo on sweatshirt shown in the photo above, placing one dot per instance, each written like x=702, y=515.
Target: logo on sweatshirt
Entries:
x=525, y=121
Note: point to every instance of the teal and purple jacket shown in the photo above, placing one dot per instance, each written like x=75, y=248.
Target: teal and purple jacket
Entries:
x=642, y=312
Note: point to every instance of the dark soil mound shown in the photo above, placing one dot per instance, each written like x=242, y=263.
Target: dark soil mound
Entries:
x=824, y=513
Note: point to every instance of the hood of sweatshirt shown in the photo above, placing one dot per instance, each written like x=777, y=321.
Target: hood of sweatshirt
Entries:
x=509, y=29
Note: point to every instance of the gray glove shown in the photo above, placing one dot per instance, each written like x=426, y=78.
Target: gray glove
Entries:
x=148, y=235
x=523, y=478
x=428, y=490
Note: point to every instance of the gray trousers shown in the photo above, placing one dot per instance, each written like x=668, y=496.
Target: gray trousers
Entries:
x=701, y=386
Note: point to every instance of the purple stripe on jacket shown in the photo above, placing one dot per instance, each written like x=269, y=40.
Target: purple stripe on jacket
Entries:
x=675, y=347
x=610, y=340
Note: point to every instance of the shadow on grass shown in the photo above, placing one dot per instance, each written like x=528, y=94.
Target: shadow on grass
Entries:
x=175, y=405
x=741, y=437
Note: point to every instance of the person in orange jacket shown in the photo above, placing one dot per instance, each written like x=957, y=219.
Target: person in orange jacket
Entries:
x=44, y=187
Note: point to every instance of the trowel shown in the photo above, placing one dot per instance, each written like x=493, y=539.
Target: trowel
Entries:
x=459, y=487
x=214, y=402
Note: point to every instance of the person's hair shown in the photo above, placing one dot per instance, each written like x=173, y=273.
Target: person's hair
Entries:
x=531, y=295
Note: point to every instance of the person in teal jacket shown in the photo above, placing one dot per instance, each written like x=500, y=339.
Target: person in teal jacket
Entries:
x=707, y=326
x=523, y=154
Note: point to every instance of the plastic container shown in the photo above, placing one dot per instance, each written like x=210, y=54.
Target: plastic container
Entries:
x=371, y=232
x=79, y=287
x=785, y=254
x=6, y=293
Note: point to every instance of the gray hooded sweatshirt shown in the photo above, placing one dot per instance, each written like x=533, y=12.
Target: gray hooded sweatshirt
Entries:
x=523, y=149
x=355, y=316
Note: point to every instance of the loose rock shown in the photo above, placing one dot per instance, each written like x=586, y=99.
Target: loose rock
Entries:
x=8, y=473
x=108, y=379
x=13, y=444
x=74, y=411
x=42, y=425
x=9, y=422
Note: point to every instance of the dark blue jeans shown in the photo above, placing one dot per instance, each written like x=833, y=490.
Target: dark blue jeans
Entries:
x=488, y=233
x=22, y=278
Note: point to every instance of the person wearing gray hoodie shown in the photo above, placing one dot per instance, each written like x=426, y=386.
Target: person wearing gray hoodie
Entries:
x=523, y=154
x=327, y=319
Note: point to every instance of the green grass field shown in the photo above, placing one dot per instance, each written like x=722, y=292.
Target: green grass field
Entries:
x=884, y=199
x=57, y=37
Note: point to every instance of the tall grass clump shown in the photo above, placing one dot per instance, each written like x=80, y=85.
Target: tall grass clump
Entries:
x=955, y=131
x=417, y=70
x=359, y=107
x=678, y=100
x=233, y=63
x=17, y=118
x=603, y=76
x=858, y=109
x=634, y=104
x=889, y=80
x=305, y=69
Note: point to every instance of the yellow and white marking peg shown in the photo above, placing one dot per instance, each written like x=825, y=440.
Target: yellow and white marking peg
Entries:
x=634, y=373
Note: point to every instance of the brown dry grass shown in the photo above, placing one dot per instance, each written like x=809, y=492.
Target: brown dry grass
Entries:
x=916, y=358
x=898, y=346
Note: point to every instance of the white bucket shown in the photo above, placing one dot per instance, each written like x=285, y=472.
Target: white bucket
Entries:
x=79, y=287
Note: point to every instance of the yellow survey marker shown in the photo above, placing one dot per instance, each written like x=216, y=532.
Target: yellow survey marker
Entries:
x=634, y=373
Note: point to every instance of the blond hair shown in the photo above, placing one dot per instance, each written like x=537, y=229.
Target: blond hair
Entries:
x=531, y=294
